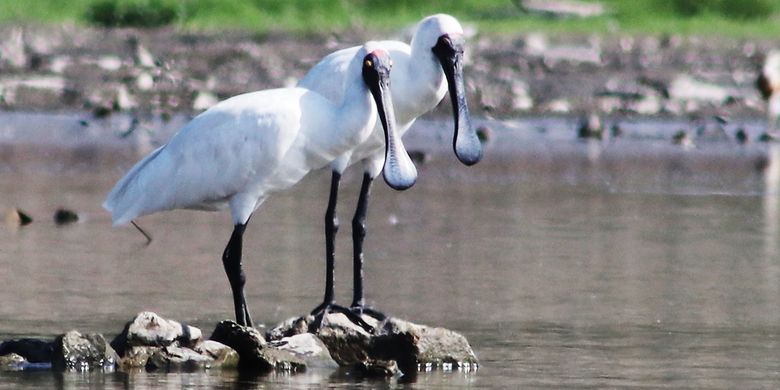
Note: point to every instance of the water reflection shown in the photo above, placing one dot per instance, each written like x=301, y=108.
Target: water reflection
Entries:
x=640, y=265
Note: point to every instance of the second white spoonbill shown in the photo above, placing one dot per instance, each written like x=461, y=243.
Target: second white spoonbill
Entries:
x=240, y=151
x=422, y=74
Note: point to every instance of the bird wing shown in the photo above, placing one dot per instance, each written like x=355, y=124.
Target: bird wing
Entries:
x=231, y=148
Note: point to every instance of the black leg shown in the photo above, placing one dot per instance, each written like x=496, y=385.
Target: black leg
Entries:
x=328, y=304
x=358, y=235
x=331, y=228
x=231, y=259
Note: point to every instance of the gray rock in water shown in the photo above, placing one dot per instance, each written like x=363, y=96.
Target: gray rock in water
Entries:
x=422, y=347
x=149, y=329
x=175, y=358
x=254, y=354
x=32, y=350
x=76, y=352
x=414, y=347
x=12, y=362
x=309, y=348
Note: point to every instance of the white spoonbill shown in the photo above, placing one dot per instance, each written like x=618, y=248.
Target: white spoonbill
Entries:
x=243, y=149
x=421, y=76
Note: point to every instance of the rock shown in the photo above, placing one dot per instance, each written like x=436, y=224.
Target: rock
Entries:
x=12, y=362
x=65, y=216
x=175, y=358
x=144, y=81
x=289, y=327
x=16, y=217
x=136, y=358
x=32, y=350
x=309, y=348
x=347, y=342
x=149, y=329
x=204, y=100
x=590, y=127
x=254, y=355
x=110, y=63
x=76, y=352
x=417, y=346
x=223, y=355
x=377, y=368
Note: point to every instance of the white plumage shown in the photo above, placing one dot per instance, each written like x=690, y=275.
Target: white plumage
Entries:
x=422, y=73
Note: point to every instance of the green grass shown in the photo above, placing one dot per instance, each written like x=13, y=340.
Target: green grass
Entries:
x=736, y=18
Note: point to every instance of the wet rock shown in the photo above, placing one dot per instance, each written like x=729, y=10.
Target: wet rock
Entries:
x=254, y=354
x=416, y=346
x=149, y=329
x=76, y=352
x=485, y=134
x=16, y=217
x=377, y=368
x=590, y=127
x=12, y=362
x=65, y=216
x=136, y=358
x=347, y=342
x=309, y=348
x=411, y=346
x=32, y=90
x=680, y=137
x=741, y=136
x=224, y=356
x=32, y=350
x=289, y=327
x=175, y=358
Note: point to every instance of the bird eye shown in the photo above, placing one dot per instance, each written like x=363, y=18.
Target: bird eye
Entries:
x=368, y=63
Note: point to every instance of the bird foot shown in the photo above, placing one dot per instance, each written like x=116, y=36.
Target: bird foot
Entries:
x=322, y=311
x=369, y=311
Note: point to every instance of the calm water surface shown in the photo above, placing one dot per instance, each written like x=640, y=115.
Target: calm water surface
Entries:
x=625, y=263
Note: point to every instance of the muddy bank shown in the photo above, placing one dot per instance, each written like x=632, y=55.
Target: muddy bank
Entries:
x=163, y=71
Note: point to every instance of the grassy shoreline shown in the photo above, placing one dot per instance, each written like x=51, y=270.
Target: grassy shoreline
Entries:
x=730, y=18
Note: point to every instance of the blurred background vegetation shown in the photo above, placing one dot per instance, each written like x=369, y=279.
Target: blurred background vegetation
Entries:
x=740, y=18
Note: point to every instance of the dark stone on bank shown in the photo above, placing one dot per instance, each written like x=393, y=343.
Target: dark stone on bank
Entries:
x=76, y=352
x=254, y=355
x=65, y=216
x=32, y=350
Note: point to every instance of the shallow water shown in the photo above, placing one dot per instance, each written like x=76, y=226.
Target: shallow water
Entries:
x=623, y=263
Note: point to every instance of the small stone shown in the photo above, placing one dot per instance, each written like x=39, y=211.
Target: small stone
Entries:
x=12, y=362
x=32, y=350
x=175, y=358
x=76, y=352
x=223, y=355
x=347, y=342
x=65, y=216
x=590, y=127
x=16, y=217
x=485, y=134
x=309, y=348
x=144, y=81
x=741, y=136
x=204, y=100
x=377, y=368
x=136, y=358
x=149, y=329
x=252, y=351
